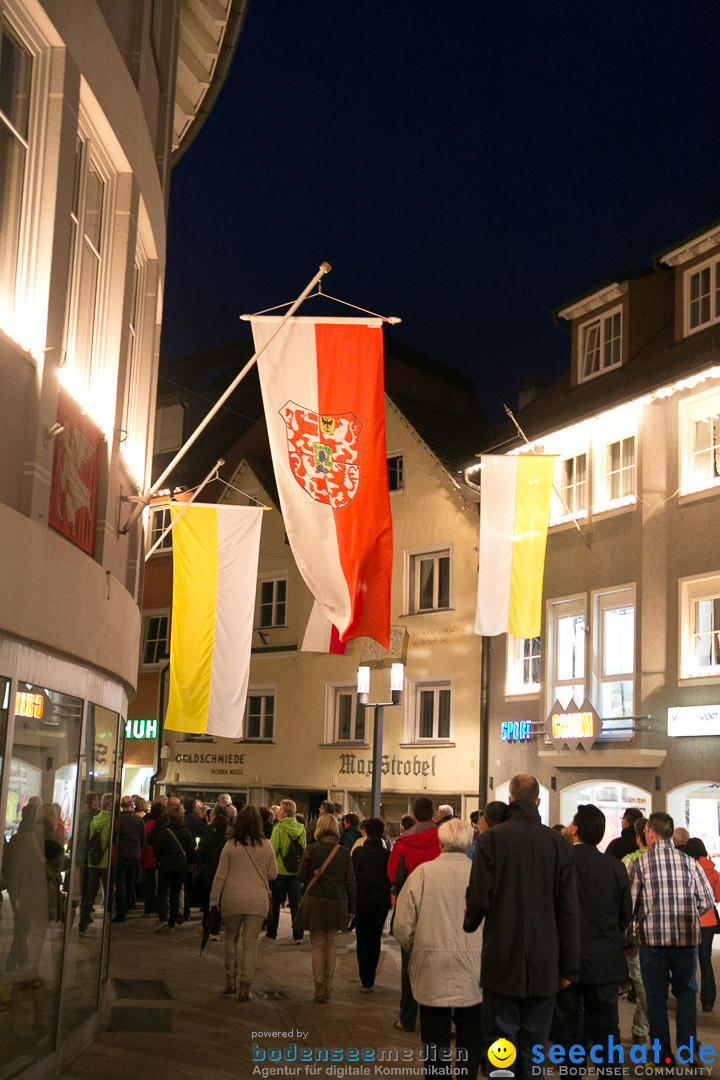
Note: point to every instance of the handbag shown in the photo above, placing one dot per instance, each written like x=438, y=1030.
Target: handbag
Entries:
x=300, y=913
x=267, y=921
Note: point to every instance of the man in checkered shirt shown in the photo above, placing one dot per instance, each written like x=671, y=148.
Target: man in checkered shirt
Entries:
x=669, y=893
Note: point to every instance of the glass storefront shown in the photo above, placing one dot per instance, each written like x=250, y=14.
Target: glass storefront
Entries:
x=502, y=794
x=696, y=807
x=612, y=797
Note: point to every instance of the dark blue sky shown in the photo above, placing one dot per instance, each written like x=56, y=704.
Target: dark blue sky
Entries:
x=465, y=166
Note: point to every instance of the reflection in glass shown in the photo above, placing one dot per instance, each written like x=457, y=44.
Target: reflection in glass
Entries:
x=41, y=789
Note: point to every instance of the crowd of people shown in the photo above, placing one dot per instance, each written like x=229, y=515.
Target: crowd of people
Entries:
x=507, y=929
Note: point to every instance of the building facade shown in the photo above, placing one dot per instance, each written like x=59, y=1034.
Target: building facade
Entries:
x=618, y=701
x=305, y=736
x=97, y=99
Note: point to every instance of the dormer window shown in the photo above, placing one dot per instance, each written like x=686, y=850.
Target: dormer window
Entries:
x=702, y=296
x=600, y=344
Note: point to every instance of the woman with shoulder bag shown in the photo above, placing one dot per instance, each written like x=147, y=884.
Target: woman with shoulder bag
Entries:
x=328, y=902
x=247, y=865
x=174, y=850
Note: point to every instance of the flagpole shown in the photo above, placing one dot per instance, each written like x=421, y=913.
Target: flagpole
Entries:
x=210, y=476
x=323, y=269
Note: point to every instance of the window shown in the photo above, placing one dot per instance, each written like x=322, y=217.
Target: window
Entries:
x=620, y=469
x=159, y=521
x=168, y=429
x=702, y=296
x=345, y=721
x=566, y=675
x=699, y=427
x=134, y=428
x=600, y=344
x=614, y=648
x=155, y=639
x=523, y=665
x=573, y=488
x=700, y=627
x=433, y=711
x=16, y=74
x=260, y=716
x=396, y=472
x=272, y=602
x=429, y=581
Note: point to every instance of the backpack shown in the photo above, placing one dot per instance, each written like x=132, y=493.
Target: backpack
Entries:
x=96, y=849
x=291, y=858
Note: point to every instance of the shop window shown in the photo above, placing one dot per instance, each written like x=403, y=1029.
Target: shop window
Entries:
x=159, y=522
x=612, y=797
x=431, y=703
x=345, y=721
x=700, y=627
x=155, y=638
x=272, y=602
x=696, y=807
x=600, y=345
x=260, y=716
x=502, y=794
x=429, y=580
x=396, y=472
x=523, y=666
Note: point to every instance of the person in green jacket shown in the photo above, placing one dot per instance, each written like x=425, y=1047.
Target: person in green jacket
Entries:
x=286, y=836
x=97, y=860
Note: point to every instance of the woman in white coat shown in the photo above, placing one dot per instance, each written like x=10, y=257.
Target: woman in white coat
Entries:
x=241, y=889
x=444, y=960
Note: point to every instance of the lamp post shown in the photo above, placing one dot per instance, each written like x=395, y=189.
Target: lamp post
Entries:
x=396, y=692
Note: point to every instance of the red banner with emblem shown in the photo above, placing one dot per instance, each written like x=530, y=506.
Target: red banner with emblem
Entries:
x=75, y=475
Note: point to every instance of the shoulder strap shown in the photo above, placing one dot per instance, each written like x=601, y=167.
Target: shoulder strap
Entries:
x=174, y=836
x=247, y=851
x=317, y=873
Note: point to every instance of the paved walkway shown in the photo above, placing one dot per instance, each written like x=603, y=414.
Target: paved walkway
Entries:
x=196, y=1033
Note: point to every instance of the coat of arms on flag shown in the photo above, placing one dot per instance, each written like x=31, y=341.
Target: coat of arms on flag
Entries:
x=324, y=453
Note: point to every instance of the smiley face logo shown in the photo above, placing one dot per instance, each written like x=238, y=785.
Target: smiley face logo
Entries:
x=502, y=1053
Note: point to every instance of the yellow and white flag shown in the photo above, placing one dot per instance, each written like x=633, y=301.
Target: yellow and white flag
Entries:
x=514, y=516
x=215, y=561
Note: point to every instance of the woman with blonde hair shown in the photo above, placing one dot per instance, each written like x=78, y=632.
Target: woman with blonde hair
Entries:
x=328, y=902
x=241, y=889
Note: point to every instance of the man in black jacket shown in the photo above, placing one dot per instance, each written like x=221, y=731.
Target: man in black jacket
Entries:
x=626, y=842
x=130, y=843
x=523, y=885
x=605, y=913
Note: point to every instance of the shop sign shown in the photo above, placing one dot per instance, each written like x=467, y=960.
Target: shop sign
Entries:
x=694, y=720
x=141, y=729
x=211, y=759
x=516, y=730
x=29, y=704
x=573, y=725
x=352, y=765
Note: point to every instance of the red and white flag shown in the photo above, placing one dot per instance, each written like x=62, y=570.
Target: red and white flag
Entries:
x=323, y=392
x=321, y=636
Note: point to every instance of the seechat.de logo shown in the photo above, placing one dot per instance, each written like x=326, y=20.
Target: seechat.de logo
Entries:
x=501, y=1054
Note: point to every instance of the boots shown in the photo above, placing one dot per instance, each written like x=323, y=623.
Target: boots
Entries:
x=244, y=990
x=229, y=984
x=319, y=998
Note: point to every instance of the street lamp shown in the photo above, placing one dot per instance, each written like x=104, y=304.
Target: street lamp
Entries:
x=396, y=692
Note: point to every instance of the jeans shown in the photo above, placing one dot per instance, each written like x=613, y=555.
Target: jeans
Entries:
x=408, y=1004
x=672, y=965
x=284, y=885
x=126, y=872
x=369, y=923
x=707, y=976
x=640, y=1026
x=523, y=1022
x=435, y=1026
x=149, y=880
x=170, y=881
x=95, y=878
x=251, y=925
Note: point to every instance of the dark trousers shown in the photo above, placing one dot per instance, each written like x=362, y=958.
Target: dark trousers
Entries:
x=126, y=872
x=673, y=966
x=95, y=877
x=284, y=885
x=435, y=1027
x=707, y=976
x=170, y=882
x=408, y=1004
x=369, y=924
x=149, y=880
x=587, y=1013
x=523, y=1022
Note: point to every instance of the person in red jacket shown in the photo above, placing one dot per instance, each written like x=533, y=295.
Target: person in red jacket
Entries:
x=695, y=848
x=416, y=846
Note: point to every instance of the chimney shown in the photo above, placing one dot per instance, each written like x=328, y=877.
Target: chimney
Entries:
x=531, y=387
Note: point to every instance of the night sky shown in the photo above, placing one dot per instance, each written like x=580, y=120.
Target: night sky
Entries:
x=463, y=165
